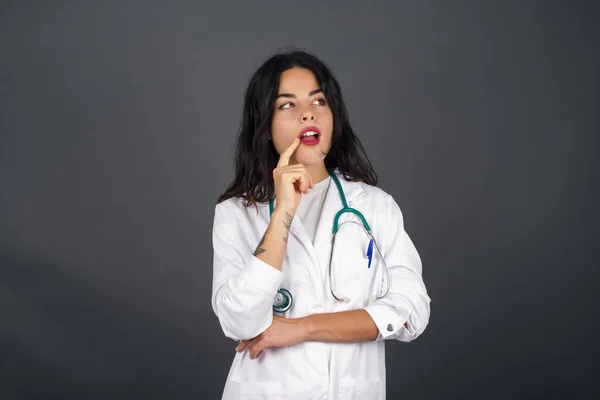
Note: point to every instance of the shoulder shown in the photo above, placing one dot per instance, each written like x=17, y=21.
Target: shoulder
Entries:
x=376, y=198
x=374, y=191
x=234, y=208
x=361, y=190
x=230, y=204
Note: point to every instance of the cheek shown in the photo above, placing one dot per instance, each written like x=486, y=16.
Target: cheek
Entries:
x=282, y=132
x=326, y=119
x=324, y=113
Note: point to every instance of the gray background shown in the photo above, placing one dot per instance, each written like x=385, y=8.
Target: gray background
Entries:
x=117, y=127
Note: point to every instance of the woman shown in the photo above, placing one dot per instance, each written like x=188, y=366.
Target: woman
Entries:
x=323, y=335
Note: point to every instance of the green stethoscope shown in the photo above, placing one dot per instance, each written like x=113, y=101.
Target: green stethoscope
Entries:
x=283, y=299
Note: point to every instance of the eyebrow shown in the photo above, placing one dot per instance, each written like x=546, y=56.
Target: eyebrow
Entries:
x=293, y=96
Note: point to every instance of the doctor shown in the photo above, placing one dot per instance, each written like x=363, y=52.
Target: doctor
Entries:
x=311, y=314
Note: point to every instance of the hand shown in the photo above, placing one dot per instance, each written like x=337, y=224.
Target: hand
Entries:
x=283, y=332
x=290, y=180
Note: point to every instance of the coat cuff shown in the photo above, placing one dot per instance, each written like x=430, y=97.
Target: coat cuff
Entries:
x=390, y=319
x=262, y=276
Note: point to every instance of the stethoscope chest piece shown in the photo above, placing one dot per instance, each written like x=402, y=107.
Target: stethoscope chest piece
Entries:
x=283, y=301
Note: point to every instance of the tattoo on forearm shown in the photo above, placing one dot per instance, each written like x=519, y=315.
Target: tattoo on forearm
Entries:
x=259, y=249
x=287, y=223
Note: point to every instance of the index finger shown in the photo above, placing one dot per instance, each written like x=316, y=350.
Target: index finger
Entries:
x=284, y=158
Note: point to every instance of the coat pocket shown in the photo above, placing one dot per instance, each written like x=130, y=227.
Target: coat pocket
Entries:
x=354, y=277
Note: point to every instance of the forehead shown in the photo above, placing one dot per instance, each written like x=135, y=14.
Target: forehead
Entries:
x=297, y=80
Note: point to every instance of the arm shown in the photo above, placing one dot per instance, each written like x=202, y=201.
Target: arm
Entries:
x=404, y=313
x=244, y=284
x=339, y=327
x=271, y=248
x=275, y=238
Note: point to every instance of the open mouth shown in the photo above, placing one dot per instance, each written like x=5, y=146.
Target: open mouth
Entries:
x=310, y=136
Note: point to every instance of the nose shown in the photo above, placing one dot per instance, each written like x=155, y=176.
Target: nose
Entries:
x=308, y=117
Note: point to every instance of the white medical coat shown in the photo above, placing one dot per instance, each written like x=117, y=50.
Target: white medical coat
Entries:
x=244, y=288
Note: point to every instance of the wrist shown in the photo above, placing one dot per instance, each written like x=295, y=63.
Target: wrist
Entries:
x=283, y=209
x=305, y=328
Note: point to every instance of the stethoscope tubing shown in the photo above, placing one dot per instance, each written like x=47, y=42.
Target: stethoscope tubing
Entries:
x=335, y=229
x=387, y=272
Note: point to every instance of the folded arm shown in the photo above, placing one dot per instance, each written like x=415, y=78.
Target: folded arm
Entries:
x=339, y=327
x=402, y=314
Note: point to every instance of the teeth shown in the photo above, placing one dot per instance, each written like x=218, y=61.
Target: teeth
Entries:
x=309, y=133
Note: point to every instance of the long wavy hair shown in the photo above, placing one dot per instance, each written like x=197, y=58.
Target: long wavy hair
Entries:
x=255, y=155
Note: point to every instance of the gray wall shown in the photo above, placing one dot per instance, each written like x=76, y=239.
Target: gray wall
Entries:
x=117, y=125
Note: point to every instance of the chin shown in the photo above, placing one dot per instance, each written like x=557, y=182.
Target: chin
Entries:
x=310, y=159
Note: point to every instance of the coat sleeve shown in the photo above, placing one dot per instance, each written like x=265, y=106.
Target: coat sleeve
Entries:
x=243, y=286
x=407, y=300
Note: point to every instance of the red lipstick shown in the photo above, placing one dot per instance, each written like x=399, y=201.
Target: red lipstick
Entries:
x=312, y=137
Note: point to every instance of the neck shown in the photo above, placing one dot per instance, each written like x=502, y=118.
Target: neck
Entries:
x=318, y=172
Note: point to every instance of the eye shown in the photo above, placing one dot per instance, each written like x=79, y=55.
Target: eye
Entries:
x=320, y=101
x=286, y=105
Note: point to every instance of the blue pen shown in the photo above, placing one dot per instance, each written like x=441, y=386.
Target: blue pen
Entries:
x=370, y=252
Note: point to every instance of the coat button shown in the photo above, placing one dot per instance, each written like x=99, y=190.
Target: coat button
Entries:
x=390, y=327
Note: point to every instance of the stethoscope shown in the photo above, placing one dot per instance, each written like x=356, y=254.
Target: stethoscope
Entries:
x=283, y=299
